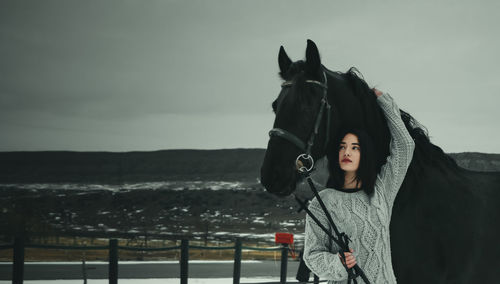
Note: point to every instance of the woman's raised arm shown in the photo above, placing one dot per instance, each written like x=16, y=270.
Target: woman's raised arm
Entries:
x=401, y=149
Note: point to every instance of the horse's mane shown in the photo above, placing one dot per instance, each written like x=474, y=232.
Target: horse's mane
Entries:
x=426, y=154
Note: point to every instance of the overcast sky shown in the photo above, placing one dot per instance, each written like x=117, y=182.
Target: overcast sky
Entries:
x=149, y=75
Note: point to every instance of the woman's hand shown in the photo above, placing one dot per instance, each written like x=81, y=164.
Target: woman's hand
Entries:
x=349, y=257
x=377, y=92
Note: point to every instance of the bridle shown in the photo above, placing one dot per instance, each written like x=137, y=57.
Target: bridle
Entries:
x=341, y=239
x=306, y=148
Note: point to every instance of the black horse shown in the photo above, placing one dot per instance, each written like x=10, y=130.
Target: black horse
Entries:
x=445, y=221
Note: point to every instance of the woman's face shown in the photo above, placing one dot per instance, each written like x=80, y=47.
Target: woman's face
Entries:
x=349, y=153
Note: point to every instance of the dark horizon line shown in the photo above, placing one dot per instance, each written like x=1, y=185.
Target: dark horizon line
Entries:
x=181, y=149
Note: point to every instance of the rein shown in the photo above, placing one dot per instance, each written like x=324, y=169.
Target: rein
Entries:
x=341, y=239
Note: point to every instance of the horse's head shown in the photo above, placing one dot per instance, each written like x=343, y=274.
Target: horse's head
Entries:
x=312, y=106
x=303, y=114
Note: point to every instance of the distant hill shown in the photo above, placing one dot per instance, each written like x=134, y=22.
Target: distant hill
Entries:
x=478, y=161
x=120, y=167
x=116, y=167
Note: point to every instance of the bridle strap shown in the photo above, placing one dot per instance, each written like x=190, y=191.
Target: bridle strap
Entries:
x=288, y=136
x=323, y=85
x=307, y=147
x=310, y=143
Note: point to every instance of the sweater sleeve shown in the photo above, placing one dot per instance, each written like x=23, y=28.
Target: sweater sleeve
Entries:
x=401, y=149
x=321, y=253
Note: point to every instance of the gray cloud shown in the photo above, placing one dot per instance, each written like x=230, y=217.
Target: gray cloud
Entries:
x=95, y=68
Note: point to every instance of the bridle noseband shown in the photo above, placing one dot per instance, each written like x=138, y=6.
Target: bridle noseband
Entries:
x=306, y=148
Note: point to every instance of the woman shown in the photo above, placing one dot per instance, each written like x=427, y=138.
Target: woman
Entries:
x=361, y=206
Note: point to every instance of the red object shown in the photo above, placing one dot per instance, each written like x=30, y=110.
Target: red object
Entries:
x=283, y=238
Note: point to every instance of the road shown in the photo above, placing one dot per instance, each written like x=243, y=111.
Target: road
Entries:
x=44, y=271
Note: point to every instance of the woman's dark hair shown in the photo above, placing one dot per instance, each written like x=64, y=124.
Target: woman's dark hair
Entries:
x=366, y=172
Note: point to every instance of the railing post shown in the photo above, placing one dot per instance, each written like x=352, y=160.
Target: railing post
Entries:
x=18, y=265
x=184, y=260
x=113, y=261
x=284, y=262
x=84, y=267
x=237, y=261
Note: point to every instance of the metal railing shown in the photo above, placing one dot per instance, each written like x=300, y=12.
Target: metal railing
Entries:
x=19, y=245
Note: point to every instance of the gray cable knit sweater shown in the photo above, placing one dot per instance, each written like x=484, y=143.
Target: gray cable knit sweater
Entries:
x=364, y=219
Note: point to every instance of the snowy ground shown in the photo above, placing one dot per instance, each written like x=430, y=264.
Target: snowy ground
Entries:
x=158, y=281
x=130, y=262
x=166, y=280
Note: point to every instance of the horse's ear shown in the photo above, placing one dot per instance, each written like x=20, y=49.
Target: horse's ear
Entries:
x=284, y=61
x=313, y=62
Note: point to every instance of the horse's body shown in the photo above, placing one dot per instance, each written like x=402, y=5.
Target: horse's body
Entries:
x=445, y=221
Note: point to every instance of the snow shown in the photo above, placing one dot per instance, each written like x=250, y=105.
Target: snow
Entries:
x=172, y=185
x=159, y=280
x=151, y=280
x=131, y=262
x=259, y=220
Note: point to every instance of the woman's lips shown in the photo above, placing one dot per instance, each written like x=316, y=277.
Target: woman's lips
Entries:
x=346, y=161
